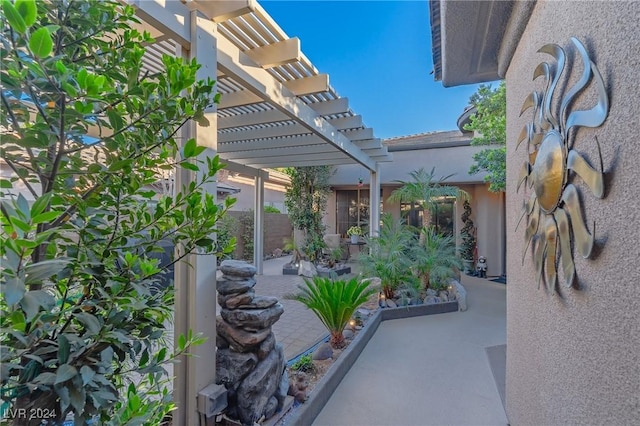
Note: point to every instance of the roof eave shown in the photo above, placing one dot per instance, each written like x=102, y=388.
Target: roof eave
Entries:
x=474, y=41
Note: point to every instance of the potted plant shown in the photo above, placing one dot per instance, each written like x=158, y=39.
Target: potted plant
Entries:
x=468, y=234
x=355, y=232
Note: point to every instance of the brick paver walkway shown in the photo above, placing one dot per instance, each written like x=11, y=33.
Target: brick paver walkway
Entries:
x=298, y=328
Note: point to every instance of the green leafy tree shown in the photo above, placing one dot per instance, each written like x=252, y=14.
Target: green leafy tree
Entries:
x=333, y=302
x=425, y=189
x=490, y=124
x=83, y=306
x=306, y=200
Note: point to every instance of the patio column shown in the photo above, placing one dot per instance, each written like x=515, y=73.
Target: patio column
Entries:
x=374, y=201
x=195, y=277
x=258, y=224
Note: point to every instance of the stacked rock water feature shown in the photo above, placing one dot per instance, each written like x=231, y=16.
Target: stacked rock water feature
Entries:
x=249, y=362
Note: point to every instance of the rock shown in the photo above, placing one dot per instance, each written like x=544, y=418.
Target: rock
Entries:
x=227, y=287
x=240, y=340
x=431, y=292
x=253, y=319
x=363, y=312
x=266, y=346
x=324, y=351
x=300, y=396
x=348, y=334
x=277, y=252
x=403, y=301
x=461, y=295
x=430, y=300
x=438, y=300
x=416, y=301
x=307, y=269
x=391, y=304
x=221, y=342
x=444, y=296
x=233, y=366
x=233, y=300
x=270, y=409
x=237, y=268
x=282, y=390
x=259, y=302
x=258, y=387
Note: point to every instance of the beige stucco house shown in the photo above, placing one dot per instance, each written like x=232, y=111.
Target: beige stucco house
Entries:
x=450, y=153
x=573, y=352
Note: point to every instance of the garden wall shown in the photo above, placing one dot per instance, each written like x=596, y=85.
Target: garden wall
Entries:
x=277, y=228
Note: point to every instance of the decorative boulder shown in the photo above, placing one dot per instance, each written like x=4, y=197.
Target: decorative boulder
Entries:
x=324, y=351
x=237, y=268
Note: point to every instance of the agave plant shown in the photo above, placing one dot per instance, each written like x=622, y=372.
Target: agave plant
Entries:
x=333, y=302
x=435, y=257
x=389, y=255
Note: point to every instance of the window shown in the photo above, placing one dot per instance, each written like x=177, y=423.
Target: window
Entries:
x=352, y=209
x=442, y=217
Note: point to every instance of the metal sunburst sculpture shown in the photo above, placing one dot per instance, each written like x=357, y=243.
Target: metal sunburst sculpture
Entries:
x=553, y=211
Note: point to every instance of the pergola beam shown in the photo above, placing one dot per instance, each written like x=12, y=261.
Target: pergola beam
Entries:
x=268, y=132
x=269, y=143
x=288, y=162
x=171, y=19
x=239, y=98
x=280, y=53
x=262, y=117
x=308, y=85
x=261, y=83
x=335, y=106
x=222, y=10
x=279, y=152
x=234, y=167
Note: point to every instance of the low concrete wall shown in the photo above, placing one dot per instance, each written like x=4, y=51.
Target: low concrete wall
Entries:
x=277, y=227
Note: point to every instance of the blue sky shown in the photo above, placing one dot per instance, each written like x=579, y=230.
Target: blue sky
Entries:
x=378, y=54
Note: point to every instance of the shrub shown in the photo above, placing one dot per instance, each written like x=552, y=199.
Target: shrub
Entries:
x=271, y=209
x=435, y=257
x=81, y=308
x=389, y=255
x=304, y=363
x=333, y=302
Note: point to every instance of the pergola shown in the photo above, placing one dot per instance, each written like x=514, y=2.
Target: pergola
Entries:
x=276, y=110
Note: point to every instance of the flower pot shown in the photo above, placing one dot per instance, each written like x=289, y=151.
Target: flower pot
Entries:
x=355, y=239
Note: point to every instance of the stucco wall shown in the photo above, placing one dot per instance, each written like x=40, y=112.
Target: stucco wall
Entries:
x=574, y=357
x=454, y=161
x=277, y=227
x=245, y=199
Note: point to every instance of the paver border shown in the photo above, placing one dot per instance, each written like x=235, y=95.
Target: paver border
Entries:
x=306, y=413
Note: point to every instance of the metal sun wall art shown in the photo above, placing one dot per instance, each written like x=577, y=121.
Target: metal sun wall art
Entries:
x=553, y=211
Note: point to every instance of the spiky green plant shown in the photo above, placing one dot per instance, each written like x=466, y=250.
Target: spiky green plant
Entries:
x=389, y=255
x=424, y=189
x=435, y=257
x=333, y=302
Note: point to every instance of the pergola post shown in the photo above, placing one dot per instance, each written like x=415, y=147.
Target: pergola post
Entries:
x=195, y=279
x=374, y=201
x=258, y=224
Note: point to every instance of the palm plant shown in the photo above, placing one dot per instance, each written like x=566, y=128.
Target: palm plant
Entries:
x=389, y=255
x=435, y=257
x=425, y=189
x=333, y=302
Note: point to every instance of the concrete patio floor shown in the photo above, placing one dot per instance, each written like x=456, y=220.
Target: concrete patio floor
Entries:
x=431, y=370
